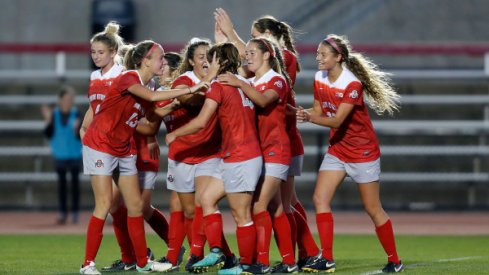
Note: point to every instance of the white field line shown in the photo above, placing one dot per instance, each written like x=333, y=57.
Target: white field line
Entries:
x=428, y=263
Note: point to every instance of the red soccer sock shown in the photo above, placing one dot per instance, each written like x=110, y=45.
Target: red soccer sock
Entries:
x=385, y=233
x=159, y=225
x=305, y=241
x=94, y=239
x=175, y=236
x=246, y=238
x=281, y=228
x=325, y=229
x=225, y=247
x=293, y=229
x=298, y=206
x=213, y=230
x=188, y=229
x=198, y=233
x=135, y=225
x=119, y=223
x=263, y=225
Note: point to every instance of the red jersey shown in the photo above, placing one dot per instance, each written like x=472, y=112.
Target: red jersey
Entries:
x=114, y=125
x=238, y=123
x=100, y=85
x=274, y=142
x=290, y=62
x=194, y=148
x=355, y=139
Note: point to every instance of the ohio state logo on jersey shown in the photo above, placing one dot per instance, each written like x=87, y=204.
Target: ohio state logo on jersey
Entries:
x=353, y=94
x=170, y=178
x=279, y=84
x=99, y=163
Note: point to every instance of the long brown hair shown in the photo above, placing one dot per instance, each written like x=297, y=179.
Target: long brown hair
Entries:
x=228, y=55
x=188, y=54
x=280, y=30
x=380, y=94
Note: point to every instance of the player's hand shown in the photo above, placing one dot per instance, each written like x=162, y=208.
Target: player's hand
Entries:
x=154, y=150
x=224, y=21
x=303, y=115
x=202, y=86
x=230, y=79
x=169, y=138
x=213, y=67
x=219, y=36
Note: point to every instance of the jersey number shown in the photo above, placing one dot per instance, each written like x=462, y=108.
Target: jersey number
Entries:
x=133, y=120
x=245, y=100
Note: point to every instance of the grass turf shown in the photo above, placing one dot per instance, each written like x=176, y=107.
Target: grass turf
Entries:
x=354, y=254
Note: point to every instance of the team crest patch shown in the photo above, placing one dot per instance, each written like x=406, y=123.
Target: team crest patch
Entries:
x=279, y=84
x=99, y=163
x=353, y=94
x=170, y=178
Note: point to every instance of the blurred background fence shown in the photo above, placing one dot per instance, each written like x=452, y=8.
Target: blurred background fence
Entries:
x=435, y=153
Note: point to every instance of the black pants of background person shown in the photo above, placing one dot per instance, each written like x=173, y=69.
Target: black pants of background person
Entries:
x=62, y=168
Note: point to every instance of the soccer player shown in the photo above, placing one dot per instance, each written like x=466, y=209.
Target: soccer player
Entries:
x=241, y=161
x=107, y=145
x=344, y=79
x=269, y=92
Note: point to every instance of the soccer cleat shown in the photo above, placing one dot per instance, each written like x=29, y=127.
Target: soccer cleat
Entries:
x=237, y=269
x=119, y=265
x=174, y=268
x=319, y=264
x=256, y=268
x=154, y=267
x=89, y=269
x=302, y=262
x=391, y=267
x=191, y=261
x=180, y=255
x=230, y=262
x=285, y=268
x=215, y=259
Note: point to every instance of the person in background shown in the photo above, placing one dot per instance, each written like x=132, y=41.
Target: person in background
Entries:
x=62, y=126
x=345, y=78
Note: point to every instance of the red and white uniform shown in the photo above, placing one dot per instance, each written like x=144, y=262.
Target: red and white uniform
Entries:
x=274, y=142
x=114, y=124
x=355, y=139
x=100, y=85
x=194, y=148
x=238, y=123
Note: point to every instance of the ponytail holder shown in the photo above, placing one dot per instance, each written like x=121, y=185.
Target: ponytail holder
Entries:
x=272, y=52
x=333, y=44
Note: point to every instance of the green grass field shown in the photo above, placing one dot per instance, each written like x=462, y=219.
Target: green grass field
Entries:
x=63, y=254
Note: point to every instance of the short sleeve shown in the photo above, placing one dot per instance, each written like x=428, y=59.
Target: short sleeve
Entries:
x=279, y=85
x=214, y=92
x=353, y=93
x=127, y=80
x=182, y=80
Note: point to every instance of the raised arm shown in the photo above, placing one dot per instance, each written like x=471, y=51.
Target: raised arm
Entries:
x=196, y=124
x=226, y=25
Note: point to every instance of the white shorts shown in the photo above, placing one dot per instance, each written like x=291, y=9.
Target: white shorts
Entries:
x=147, y=179
x=180, y=176
x=296, y=164
x=360, y=172
x=241, y=176
x=99, y=163
x=276, y=170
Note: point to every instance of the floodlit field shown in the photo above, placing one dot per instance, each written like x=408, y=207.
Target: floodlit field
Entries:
x=354, y=254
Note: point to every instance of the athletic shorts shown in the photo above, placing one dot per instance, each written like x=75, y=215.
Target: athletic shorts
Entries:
x=180, y=176
x=241, y=176
x=147, y=179
x=360, y=172
x=99, y=163
x=296, y=164
x=277, y=170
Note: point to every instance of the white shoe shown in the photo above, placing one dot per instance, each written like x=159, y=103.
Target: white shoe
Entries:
x=89, y=269
x=154, y=266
